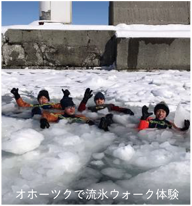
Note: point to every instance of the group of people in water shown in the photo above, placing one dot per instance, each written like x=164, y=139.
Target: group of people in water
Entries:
x=65, y=109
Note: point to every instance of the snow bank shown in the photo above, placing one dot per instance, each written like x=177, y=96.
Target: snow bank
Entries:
x=162, y=31
x=56, y=26
x=122, y=30
x=23, y=141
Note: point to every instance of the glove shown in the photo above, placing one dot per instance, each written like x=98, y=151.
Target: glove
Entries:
x=106, y=121
x=66, y=92
x=109, y=119
x=90, y=122
x=103, y=124
x=44, y=123
x=15, y=92
x=145, y=113
x=186, y=125
x=128, y=111
x=36, y=110
x=87, y=95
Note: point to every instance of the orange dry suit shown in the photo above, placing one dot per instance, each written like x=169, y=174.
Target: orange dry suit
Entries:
x=55, y=117
x=154, y=123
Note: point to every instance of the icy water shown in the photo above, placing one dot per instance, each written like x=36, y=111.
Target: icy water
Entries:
x=81, y=164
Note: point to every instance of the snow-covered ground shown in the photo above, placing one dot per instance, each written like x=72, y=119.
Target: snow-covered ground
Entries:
x=122, y=30
x=67, y=160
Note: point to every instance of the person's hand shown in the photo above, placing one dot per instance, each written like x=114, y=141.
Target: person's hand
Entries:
x=145, y=113
x=128, y=111
x=90, y=122
x=106, y=121
x=44, y=123
x=87, y=95
x=15, y=92
x=186, y=125
x=104, y=124
x=66, y=92
x=109, y=118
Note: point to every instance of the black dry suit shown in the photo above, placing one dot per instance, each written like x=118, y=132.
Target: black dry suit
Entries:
x=100, y=107
x=159, y=124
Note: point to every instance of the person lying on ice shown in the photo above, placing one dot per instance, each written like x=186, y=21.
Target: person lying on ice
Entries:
x=68, y=113
x=161, y=111
x=42, y=98
x=100, y=103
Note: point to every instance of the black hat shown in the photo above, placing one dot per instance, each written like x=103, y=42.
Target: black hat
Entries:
x=162, y=105
x=99, y=95
x=44, y=93
x=66, y=102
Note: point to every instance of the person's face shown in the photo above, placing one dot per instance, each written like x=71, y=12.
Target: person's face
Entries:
x=161, y=114
x=43, y=100
x=100, y=102
x=70, y=110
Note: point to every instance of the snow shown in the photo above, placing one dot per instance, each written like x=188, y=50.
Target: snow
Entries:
x=56, y=26
x=22, y=141
x=173, y=175
x=163, y=31
x=82, y=157
x=113, y=172
x=180, y=115
x=124, y=153
x=122, y=30
x=98, y=155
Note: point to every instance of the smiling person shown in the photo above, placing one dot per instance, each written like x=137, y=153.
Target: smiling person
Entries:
x=42, y=98
x=69, y=114
x=161, y=111
x=100, y=103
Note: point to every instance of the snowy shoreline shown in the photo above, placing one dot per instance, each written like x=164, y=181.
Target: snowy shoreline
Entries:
x=82, y=157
